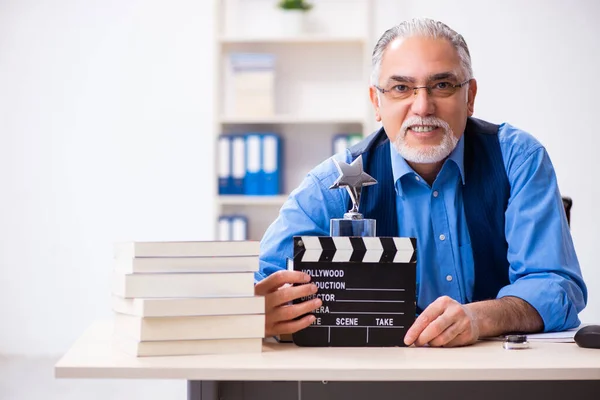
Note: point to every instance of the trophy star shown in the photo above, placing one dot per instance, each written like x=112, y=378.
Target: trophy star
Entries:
x=352, y=175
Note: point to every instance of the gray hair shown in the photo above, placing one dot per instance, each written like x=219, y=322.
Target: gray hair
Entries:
x=421, y=27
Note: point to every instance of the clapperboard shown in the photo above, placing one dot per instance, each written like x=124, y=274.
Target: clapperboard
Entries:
x=367, y=286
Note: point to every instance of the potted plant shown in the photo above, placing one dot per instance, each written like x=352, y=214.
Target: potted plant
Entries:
x=293, y=15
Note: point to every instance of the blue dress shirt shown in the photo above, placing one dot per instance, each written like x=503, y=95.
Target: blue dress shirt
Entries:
x=544, y=270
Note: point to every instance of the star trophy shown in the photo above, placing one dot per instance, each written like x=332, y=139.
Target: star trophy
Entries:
x=353, y=178
x=366, y=283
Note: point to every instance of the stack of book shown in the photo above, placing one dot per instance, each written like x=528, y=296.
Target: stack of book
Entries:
x=185, y=298
x=250, y=84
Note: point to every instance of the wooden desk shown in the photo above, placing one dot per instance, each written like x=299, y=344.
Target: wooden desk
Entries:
x=92, y=356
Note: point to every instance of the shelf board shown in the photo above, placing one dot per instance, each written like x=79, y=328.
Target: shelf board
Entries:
x=243, y=200
x=291, y=119
x=305, y=39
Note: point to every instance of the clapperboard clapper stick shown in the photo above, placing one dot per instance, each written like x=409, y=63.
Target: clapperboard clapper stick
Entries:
x=367, y=285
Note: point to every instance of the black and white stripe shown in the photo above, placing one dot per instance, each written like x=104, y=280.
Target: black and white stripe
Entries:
x=355, y=249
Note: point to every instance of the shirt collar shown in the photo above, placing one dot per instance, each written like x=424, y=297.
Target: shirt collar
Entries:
x=401, y=168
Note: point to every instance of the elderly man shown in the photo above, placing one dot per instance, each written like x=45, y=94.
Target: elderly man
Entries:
x=494, y=250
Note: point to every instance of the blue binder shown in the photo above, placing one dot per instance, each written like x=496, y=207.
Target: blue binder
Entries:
x=238, y=164
x=253, y=182
x=339, y=143
x=239, y=227
x=354, y=138
x=271, y=164
x=224, y=228
x=224, y=164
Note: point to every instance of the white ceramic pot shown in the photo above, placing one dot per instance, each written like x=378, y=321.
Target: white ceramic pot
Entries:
x=292, y=22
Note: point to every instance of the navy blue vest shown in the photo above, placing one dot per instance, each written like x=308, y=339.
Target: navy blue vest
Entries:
x=485, y=195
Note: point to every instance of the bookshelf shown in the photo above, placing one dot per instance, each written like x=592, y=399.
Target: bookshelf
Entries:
x=248, y=200
x=302, y=39
x=291, y=119
x=320, y=89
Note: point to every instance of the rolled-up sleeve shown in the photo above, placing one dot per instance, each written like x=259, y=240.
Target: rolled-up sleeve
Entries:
x=544, y=270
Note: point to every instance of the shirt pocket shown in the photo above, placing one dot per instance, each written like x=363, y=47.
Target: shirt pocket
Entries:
x=468, y=270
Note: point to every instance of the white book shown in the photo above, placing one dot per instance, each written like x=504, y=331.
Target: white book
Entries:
x=254, y=93
x=567, y=336
x=150, y=265
x=250, y=84
x=187, y=347
x=191, y=327
x=189, y=306
x=183, y=285
x=187, y=249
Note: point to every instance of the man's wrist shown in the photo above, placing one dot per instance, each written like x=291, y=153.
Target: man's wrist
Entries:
x=480, y=315
x=507, y=314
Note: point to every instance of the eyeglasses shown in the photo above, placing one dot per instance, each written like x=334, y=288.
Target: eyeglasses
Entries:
x=437, y=90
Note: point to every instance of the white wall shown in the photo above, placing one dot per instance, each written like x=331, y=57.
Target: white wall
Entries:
x=106, y=117
x=536, y=63
x=105, y=125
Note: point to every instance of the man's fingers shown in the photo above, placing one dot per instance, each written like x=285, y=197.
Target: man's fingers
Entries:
x=274, y=281
x=429, y=315
x=417, y=328
x=434, y=329
x=288, y=294
x=294, y=325
x=462, y=339
x=288, y=313
x=446, y=336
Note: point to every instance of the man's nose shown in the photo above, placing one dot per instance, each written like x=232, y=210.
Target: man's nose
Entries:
x=422, y=103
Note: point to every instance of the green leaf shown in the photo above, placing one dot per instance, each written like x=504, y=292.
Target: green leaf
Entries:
x=294, y=5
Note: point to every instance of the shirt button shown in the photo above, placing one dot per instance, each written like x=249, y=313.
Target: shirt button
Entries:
x=417, y=178
x=449, y=278
x=435, y=193
x=442, y=237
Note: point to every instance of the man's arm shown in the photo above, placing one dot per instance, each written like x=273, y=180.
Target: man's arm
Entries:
x=307, y=211
x=544, y=270
x=448, y=323
x=508, y=314
x=546, y=290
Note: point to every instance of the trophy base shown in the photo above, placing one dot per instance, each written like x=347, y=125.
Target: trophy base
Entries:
x=352, y=227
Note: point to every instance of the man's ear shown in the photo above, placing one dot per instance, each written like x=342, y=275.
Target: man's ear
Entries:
x=472, y=92
x=373, y=94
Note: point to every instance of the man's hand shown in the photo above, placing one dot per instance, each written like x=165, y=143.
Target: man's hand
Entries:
x=278, y=292
x=445, y=323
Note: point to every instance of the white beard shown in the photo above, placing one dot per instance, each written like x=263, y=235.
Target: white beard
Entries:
x=429, y=154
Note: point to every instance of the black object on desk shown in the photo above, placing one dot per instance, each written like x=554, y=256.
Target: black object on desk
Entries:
x=588, y=337
x=367, y=286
